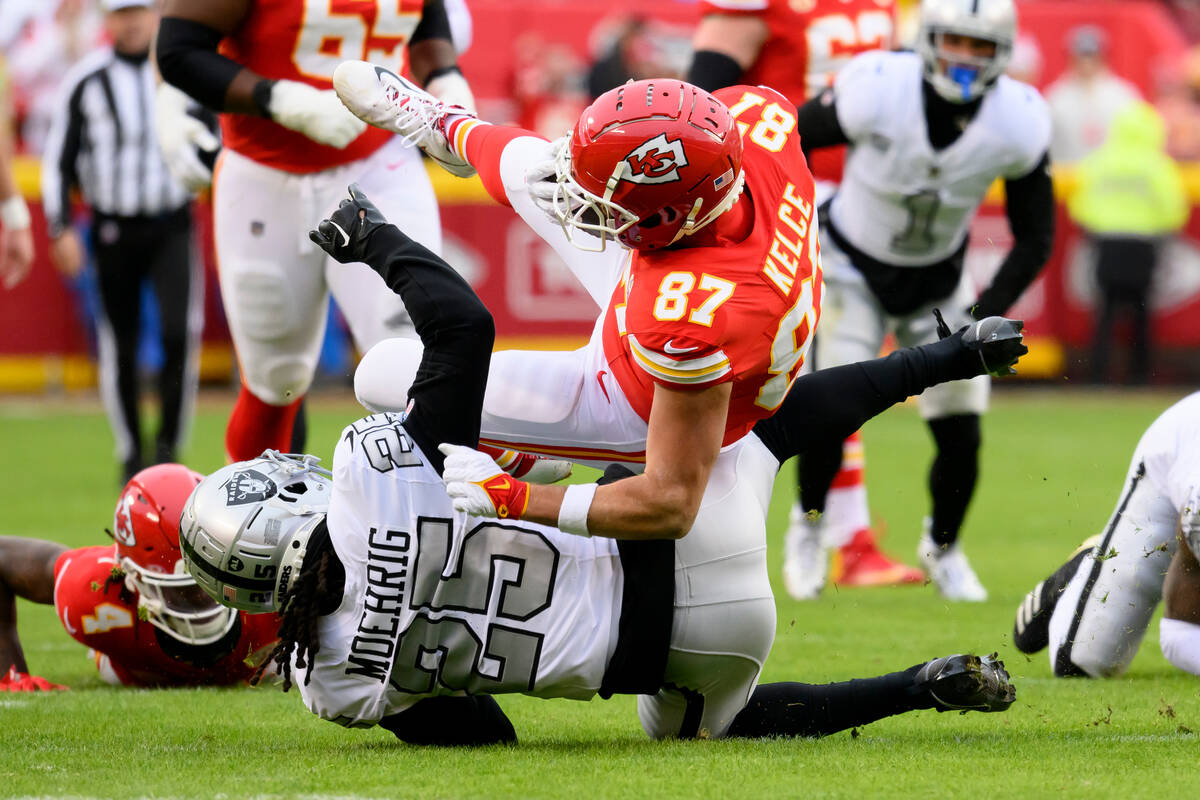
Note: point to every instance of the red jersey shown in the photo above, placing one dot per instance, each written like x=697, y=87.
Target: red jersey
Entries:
x=808, y=43
x=695, y=317
x=96, y=613
x=303, y=41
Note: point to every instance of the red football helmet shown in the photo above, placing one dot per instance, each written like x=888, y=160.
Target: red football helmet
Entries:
x=648, y=163
x=146, y=527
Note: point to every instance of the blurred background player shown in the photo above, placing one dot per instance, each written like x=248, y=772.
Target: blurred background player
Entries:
x=1130, y=198
x=1093, y=611
x=290, y=148
x=797, y=49
x=102, y=141
x=928, y=133
x=16, y=238
x=144, y=618
x=1084, y=100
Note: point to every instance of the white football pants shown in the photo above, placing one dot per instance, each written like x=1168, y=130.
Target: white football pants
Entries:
x=275, y=283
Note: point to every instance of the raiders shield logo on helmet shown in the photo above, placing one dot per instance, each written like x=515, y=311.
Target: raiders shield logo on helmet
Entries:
x=655, y=160
x=248, y=486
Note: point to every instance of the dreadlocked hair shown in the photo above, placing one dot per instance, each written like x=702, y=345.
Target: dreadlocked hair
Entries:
x=298, y=622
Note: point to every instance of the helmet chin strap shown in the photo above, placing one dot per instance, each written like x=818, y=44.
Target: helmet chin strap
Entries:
x=689, y=225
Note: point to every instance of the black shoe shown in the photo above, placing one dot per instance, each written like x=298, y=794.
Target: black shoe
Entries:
x=967, y=683
x=129, y=468
x=1031, y=629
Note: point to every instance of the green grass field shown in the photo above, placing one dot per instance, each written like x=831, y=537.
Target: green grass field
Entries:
x=1052, y=467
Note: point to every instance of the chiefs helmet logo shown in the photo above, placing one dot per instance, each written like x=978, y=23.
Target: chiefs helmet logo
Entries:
x=123, y=521
x=655, y=160
x=248, y=486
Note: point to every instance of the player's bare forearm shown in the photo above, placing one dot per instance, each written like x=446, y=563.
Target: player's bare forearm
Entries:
x=26, y=571
x=682, y=444
x=739, y=37
x=1181, y=587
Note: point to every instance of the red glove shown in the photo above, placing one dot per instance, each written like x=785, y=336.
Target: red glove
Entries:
x=14, y=681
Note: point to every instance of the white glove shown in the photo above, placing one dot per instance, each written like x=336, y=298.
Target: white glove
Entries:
x=180, y=138
x=317, y=114
x=478, y=486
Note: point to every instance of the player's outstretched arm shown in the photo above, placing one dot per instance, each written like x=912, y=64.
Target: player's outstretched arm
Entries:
x=682, y=443
x=186, y=51
x=26, y=571
x=455, y=327
x=830, y=404
x=1029, y=205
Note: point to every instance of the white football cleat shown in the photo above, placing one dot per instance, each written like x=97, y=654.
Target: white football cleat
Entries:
x=949, y=570
x=386, y=100
x=805, y=563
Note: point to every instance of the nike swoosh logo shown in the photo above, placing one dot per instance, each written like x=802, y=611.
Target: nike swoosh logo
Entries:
x=600, y=379
x=678, y=350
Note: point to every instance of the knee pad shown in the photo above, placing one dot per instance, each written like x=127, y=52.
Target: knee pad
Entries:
x=1180, y=642
x=279, y=379
x=261, y=300
x=386, y=372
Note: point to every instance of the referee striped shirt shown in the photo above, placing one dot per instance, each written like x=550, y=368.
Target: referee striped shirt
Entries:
x=102, y=140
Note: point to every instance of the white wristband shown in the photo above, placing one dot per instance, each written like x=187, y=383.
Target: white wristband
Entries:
x=573, y=513
x=14, y=214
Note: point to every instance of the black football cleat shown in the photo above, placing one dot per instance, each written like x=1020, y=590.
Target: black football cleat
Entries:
x=1031, y=628
x=967, y=683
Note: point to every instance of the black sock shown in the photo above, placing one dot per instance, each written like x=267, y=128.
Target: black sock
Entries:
x=806, y=709
x=817, y=467
x=953, y=474
x=300, y=428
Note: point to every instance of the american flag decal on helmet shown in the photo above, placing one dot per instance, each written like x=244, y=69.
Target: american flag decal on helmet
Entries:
x=723, y=179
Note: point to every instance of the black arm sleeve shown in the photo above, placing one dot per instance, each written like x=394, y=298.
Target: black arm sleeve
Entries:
x=711, y=70
x=1029, y=204
x=817, y=123
x=457, y=331
x=830, y=404
x=187, y=57
x=434, y=24
x=452, y=721
x=58, y=209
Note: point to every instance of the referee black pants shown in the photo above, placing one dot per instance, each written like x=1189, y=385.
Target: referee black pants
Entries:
x=129, y=251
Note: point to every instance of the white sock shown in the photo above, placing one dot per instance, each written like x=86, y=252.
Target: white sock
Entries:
x=1180, y=642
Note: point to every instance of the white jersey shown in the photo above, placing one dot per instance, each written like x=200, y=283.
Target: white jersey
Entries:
x=901, y=201
x=1170, y=451
x=440, y=603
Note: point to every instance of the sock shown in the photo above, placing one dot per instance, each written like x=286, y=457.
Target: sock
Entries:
x=818, y=466
x=953, y=474
x=481, y=144
x=299, y=438
x=255, y=426
x=846, y=510
x=1180, y=642
x=805, y=709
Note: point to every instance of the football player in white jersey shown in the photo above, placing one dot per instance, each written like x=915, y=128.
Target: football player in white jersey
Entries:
x=399, y=609
x=1093, y=611
x=928, y=133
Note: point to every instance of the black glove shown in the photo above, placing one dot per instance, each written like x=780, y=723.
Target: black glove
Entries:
x=997, y=340
x=999, y=343
x=347, y=232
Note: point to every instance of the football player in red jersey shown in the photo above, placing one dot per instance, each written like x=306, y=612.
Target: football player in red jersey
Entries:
x=798, y=46
x=290, y=150
x=709, y=293
x=145, y=619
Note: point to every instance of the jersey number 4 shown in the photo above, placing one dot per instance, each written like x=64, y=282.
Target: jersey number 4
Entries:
x=441, y=649
x=334, y=31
